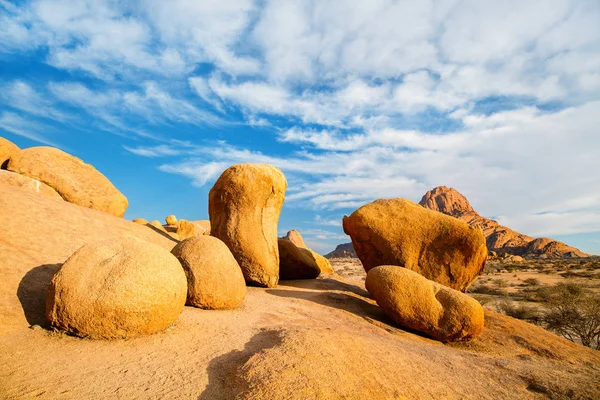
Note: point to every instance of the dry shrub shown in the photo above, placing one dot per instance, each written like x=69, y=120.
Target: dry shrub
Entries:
x=573, y=312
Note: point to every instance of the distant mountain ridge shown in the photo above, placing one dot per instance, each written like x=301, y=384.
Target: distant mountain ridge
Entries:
x=345, y=250
x=499, y=239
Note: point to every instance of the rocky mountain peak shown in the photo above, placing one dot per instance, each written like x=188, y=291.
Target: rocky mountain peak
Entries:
x=446, y=200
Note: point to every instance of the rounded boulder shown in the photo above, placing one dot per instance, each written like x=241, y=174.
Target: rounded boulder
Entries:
x=171, y=220
x=417, y=303
x=400, y=232
x=296, y=262
x=244, y=207
x=117, y=289
x=7, y=150
x=77, y=182
x=214, y=278
x=295, y=237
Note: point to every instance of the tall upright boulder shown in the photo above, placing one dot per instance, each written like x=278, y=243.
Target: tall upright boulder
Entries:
x=117, y=289
x=76, y=181
x=7, y=150
x=244, y=207
x=400, y=232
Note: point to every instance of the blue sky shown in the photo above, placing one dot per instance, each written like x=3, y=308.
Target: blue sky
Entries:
x=353, y=100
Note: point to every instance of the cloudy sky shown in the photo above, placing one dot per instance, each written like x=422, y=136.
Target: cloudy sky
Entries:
x=353, y=100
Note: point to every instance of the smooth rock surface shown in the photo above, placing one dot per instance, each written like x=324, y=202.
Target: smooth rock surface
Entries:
x=215, y=280
x=7, y=149
x=244, y=207
x=77, y=182
x=14, y=179
x=117, y=289
x=425, y=306
x=400, y=232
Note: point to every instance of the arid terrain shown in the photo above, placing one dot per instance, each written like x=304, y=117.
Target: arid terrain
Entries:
x=515, y=288
x=323, y=337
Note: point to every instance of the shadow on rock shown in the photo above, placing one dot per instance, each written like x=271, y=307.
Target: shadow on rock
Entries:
x=349, y=302
x=224, y=380
x=165, y=234
x=32, y=293
x=325, y=284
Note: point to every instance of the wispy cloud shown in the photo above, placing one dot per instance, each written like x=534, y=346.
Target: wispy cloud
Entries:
x=356, y=100
x=13, y=123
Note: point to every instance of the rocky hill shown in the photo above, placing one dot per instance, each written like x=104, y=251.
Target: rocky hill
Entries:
x=345, y=250
x=498, y=238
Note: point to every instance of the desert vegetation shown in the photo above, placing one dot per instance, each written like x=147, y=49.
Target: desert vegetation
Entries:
x=563, y=296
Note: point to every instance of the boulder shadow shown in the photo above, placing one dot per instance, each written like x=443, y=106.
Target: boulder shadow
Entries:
x=165, y=234
x=32, y=292
x=326, y=284
x=224, y=380
x=349, y=302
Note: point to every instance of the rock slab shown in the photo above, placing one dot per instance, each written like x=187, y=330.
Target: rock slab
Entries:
x=76, y=181
x=296, y=262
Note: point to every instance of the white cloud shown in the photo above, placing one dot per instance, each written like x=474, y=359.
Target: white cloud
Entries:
x=151, y=104
x=13, y=123
x=397, y=90
x=20, y=95
x=153, y=151
x=507, y=164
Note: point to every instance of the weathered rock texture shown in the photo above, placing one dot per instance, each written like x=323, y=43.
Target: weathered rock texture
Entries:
x=400, y=232
x=14, y=179
x=140, y=221
x=296, y=262
x=295, y=237
x=117, y=289
x=425, y=306
x=244, y=206
x=171, y=220
x=76, y=181
x=7, y=149
x=215, y=280
x=498, y=238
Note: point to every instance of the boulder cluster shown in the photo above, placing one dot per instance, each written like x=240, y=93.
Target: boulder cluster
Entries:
x=130, y=287
x=418, y=261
